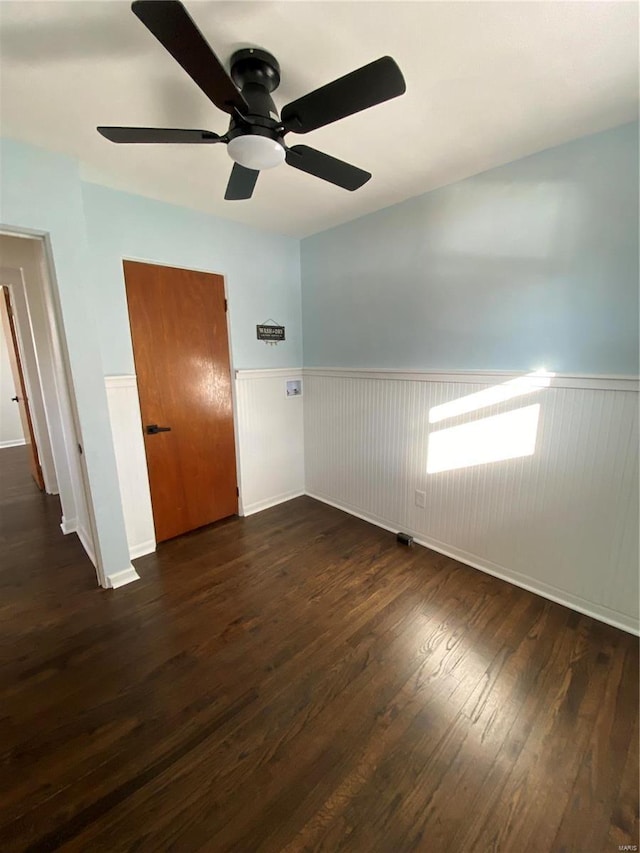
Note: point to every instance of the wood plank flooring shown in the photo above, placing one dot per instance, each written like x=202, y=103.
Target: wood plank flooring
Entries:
x=296, y=681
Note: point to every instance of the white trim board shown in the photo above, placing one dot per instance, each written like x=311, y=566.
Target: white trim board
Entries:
x=258, y=506
x=156, y=263
x=482, y=377
x=68, y=525
x=602, y=614
x=270, y=373
x=612, y=382
x=15, y=442
x=126, y=576
x=121, y=380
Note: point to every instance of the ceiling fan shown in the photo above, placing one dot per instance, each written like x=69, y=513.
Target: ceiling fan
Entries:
x=255, y=138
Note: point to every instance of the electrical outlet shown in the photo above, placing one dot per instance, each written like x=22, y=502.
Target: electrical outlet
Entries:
x=421, y=498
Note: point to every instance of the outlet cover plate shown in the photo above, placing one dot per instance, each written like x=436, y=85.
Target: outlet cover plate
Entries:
x=421, y=498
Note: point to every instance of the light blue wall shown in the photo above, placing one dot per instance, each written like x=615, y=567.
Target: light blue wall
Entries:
x=41, y=191
x=534, y=264
x=262, y=272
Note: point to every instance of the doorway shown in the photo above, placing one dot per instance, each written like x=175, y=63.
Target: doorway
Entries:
x=49, y=427
x=15, y=380
x=180, y=340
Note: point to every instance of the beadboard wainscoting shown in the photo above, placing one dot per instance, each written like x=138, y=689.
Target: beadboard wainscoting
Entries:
x=270, y=429
x=270, y=443
x=128, y=442
x=535, y=481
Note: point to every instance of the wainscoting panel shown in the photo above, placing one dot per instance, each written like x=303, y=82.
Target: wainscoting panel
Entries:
x=270, y=448
x=128, y=442
x=270, y=438
x=534, y=480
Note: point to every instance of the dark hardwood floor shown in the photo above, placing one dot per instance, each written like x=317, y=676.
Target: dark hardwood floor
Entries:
x=296, y=681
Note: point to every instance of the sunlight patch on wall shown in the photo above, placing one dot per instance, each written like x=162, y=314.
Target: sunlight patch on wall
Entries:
x=490, y=396
x=506, y=436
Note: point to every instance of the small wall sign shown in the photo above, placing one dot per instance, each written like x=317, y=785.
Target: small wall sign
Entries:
x=270, y=332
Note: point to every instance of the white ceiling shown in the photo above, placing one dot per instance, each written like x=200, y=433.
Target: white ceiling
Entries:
x=487, y=83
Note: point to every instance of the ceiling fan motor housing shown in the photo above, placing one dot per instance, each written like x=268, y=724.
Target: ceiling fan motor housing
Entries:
x=253, y=65
x=256, y=73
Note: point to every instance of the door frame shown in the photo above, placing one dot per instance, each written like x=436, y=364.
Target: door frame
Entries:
x=13, y=280
x=232, y=370
x=62, y=416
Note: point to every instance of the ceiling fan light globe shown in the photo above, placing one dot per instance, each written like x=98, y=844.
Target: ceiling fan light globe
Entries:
x=256, y=152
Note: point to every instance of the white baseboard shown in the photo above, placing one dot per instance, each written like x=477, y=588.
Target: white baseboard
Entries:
x=142, y=548
x=68, y=526
x=118, y=579
x=258, y=506
x=14, y=442
x=596, y=611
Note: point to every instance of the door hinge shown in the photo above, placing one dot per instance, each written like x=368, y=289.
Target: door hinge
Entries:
x=225, y=305
x=79, y=448
x=237, y=492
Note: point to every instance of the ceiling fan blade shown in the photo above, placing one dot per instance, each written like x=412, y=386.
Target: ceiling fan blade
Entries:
x=370, y=85
x=157, y=134
x=241, y=183
x=328, y=168
x=174, y=28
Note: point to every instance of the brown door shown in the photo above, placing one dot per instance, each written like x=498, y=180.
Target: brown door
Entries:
x=21, y=399
x=181, y=352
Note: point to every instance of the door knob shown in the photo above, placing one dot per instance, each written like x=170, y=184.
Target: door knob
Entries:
x=152, y=429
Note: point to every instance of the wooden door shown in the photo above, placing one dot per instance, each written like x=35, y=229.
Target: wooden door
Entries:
x=181, y=352
x=21, y=399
